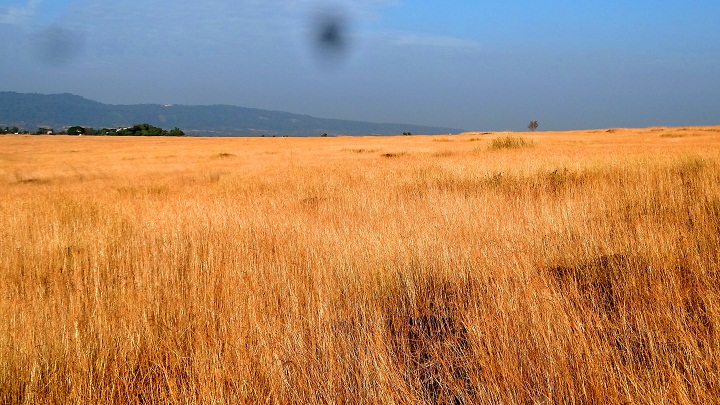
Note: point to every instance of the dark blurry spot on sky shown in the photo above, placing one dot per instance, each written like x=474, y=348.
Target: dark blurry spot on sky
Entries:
x=56, y=45
x=330, y=35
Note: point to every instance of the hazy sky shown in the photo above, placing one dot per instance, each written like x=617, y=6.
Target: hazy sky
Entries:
x=475, y=65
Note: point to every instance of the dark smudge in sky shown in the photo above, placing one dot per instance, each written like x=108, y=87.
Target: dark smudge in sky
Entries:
x=58, y=45
x=330, y=30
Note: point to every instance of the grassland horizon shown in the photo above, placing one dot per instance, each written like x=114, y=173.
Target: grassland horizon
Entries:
x=515, y=268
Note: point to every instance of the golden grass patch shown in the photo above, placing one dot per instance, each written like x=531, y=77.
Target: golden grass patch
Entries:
x=287, y=270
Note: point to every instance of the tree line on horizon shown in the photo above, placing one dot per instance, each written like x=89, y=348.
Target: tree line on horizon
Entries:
x=9, y=130
x=135, y=130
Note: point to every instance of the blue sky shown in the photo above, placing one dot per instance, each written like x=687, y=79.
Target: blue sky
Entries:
x=470, y=65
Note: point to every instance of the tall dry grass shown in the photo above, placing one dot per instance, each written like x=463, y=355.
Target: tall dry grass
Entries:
x=361, y=270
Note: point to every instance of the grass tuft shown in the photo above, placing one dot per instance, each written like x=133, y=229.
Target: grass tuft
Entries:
x=510, y=142
x=393, y=154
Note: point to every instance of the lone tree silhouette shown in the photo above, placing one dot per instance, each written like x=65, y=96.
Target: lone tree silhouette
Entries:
x=533, y=126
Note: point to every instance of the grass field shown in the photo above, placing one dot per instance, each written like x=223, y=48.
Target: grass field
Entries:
x=574, y=267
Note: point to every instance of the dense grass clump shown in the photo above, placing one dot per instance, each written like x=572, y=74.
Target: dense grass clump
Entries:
x=510, y=142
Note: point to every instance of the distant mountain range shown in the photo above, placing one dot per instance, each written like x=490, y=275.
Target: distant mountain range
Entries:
x=59, y=111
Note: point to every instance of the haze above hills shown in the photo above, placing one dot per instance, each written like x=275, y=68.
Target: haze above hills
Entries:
x=58, y=111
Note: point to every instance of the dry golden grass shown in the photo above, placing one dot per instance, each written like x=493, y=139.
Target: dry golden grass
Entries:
x=361, y=270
